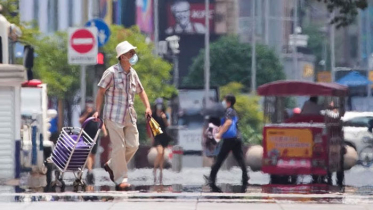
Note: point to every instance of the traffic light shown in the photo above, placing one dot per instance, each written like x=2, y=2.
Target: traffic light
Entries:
x=100, y=58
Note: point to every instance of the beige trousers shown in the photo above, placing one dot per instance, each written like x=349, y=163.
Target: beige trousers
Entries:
x=124, y=143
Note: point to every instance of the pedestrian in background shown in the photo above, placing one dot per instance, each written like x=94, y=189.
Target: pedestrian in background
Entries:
x=230, y=136
x=161, y=141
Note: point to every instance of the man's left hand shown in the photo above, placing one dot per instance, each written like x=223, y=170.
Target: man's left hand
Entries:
x=148, y=112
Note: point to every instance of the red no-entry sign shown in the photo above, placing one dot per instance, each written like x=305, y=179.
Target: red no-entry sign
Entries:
x=82, y=41
x=82, y=45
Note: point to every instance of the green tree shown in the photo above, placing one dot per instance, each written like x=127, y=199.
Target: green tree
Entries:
x=346, y=11
x=231, y=61
x=248, y=110
x=153, y=71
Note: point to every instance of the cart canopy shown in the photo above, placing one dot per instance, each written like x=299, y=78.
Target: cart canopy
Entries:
x=302, y=88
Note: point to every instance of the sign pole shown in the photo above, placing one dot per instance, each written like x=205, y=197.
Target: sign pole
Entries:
x=253, y=49
x=207, y=52
x=82, y=86
x=156, y=26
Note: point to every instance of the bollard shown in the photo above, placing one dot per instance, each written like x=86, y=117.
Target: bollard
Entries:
x=350, y=158
x=254, y=156
x=177, y=158
x=152, y=154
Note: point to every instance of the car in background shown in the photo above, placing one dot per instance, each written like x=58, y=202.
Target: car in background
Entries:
x=357, y=128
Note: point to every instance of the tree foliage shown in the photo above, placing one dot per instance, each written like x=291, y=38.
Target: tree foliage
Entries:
x=231, y=62
x=345, y=10
x=51, y=66
x=248, y=110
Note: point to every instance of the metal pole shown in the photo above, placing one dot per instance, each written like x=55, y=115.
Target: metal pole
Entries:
x=95, y=14
x=207, y=51
x=325, y=52
x=95, y=8
x=266, y=21
x=368, y=46
x=156, y=26
x=332, y=49
x=82, y=86
x=85, y=7
x=253, y=50
x=176, y=71
x=296, y=72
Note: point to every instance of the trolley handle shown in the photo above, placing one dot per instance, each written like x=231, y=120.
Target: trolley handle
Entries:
x=90, y=119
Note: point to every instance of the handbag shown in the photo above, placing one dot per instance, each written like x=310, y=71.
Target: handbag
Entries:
x=232, y=130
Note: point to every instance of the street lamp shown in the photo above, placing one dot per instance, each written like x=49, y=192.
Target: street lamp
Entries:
x=174, y=45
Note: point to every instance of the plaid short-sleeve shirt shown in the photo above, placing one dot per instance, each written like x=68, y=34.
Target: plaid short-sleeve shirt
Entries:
x=120, y=92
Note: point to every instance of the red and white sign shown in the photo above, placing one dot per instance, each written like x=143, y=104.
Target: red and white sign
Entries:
x=82, y=46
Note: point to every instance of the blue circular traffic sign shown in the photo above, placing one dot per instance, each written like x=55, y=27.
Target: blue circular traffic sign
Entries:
x=103, y=31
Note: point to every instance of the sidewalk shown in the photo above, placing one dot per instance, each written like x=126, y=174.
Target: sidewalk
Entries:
x=169, y=205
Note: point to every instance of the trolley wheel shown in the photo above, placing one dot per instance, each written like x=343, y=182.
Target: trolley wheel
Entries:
x=329, y=179
x=79, y=183
x=84, y=187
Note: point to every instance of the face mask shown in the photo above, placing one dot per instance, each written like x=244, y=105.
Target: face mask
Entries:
x=159, y=106
x=134, y=59
x=224, y=104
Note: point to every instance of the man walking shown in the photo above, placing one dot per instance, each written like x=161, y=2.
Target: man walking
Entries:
x=231, y=142
x=118, y=85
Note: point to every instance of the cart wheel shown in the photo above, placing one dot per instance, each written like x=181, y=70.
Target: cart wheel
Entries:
x=293, y=179
x=79, y=183
x=329, y=178
x=276, y=179
x=75, y=186
x=62, y=188
x=83, y=187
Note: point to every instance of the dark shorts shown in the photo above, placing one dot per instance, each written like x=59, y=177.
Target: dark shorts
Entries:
x=162, y=140
x=94, y=149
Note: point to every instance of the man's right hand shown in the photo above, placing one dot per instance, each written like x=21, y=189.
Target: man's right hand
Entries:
x=96, y=116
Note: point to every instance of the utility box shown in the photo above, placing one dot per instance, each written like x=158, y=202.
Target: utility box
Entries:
x=11, y=78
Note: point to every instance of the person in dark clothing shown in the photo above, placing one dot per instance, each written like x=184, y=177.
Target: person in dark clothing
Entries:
x=231, y=142
x=91, y=130
x=160, y=141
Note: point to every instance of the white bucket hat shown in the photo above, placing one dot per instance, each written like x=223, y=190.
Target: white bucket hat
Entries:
x=123, y=48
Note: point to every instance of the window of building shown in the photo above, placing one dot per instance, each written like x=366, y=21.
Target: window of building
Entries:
x=52, y=15
x=71, y=10
x=36, y=13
